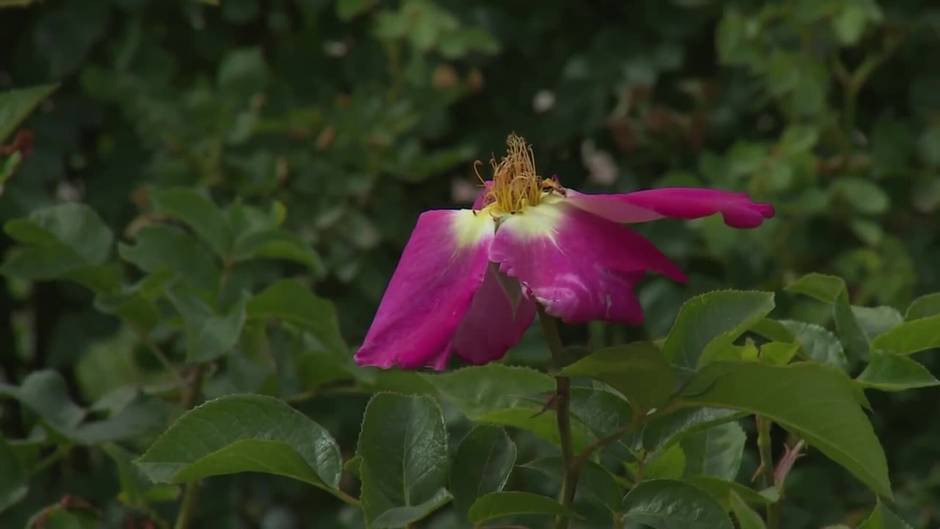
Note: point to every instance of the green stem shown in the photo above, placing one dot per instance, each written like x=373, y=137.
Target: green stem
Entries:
x=190, y=396
x=570, y=470
x=767, y=468
x=159, y=355
x=346, y=498
x=60, y=452
x=188, y=506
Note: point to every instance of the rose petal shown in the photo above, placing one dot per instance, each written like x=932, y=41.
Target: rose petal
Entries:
x=441, y=269
x=498, y=317
x=581, y=267
x=737, y=209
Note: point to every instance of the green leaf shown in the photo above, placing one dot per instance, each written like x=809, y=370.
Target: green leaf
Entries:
x=501, y=504
x=291, y=301
x=876, y=320
x=817, y=343
x=349, y=9
x=600, y=410
x=832, y=290
x=709, y=323
x=242, y=72
x=73, y=226
x=662, y=431
x=911, y=336
x=482, y=464
x=536, y=420
x=924, y=306
x=244, y=433
x=664, y=464
x=882, y=518
x=671, y=504
x=747, y=517
x=595, y=483
x=816, y=402
x=638, y=371
x=199, y=213
x=277, y=244
x=208, y=335
x=45, y=394
x=891, y=372
x=403, y=516
x=134, y=484
x=778, y=353
x=403, y=445
x=480, y=389
x=65, y=241
x=722, y=490
x=15, y=105
x=715, y=451
x=863, y=195
x=157, y=249
x=143, y=415
x=13, y=479
x=505, y=396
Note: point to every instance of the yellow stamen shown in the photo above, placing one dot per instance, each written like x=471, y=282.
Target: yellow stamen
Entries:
x=516, y=184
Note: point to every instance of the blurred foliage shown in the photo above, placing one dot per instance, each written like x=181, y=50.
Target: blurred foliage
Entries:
x=203, y=167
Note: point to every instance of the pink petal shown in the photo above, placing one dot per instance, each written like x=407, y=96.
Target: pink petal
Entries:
x=443, y=265
x=497, y=319
x=483, y=197
x=581, y=267
x=737, y=209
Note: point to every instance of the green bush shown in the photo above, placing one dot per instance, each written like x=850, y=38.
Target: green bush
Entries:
x=206, y=199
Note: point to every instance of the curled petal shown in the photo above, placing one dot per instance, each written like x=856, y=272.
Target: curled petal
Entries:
x=737, y=209
x=498, y=317
x=581, y=267
x=441, y=269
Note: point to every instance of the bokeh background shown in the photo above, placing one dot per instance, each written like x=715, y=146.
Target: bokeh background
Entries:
x=342, y=121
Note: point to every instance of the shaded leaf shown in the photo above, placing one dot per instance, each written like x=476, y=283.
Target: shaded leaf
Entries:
x=709, y=323
x=16, y=105
x=638, y=371
x=891, y=372
x=208, y=335
x=482, y=464
x=882, y=518
x=244, y=433
x=403, y=445
x=157, y=248
x=403, y=516
x=924, y=306
x=876, y=320
x=911, y=336
x=13, y=479
x=747, y=517
x=291, y=301
x=817, y=343
x=816, y=402
x=199, y=213
x=595, y=482
x=501, y=504
x=671, y=504
x=721, y=490
x=715, y=451
x=832, y=290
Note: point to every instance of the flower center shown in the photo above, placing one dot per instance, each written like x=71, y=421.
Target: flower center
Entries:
x=516, y=184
